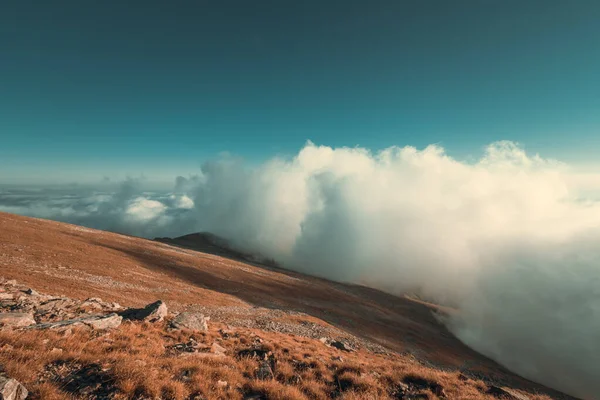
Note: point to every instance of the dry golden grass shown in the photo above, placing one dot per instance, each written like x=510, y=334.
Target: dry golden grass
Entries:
x=135, y=362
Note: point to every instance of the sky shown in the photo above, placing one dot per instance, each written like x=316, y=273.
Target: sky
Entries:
x=105, y=89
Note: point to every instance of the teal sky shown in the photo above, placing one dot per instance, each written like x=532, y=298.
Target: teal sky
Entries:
x=107, y=88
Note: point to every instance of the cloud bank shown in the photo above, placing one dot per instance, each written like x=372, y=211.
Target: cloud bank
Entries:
x=511, y=240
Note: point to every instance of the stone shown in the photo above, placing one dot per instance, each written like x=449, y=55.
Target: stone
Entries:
x=11, y=389
x=6, y=296
x=16, y=320
x=97, y=322
x=109, y=321
x=55, y=304
x=506, y=393
x=341, y=346
x=154, y=312
x=222, y=384
x=217, y=349
x=190, y=320
x=264, y=370
x=31, y=292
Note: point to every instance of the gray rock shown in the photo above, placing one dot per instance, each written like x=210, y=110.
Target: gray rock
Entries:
x=11, y=389
x=98, y=322
x=154, y=312
x=109, y=321
x=190, y=320
x=264, y=370
x=341, y=346
x=55, y=304
x=16, y=320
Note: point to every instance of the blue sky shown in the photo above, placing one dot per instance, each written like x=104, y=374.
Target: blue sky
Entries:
x=92, y=89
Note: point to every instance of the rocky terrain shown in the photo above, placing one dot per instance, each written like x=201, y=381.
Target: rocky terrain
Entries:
x=86, y=314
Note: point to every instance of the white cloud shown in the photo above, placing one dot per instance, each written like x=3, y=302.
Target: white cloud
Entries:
x=142, y=209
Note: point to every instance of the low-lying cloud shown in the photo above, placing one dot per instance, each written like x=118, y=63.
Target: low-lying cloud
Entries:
x=511, y=240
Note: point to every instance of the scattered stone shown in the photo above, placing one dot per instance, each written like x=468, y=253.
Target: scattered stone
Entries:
x=56, y=350
x=217, y=349
x=190, y=320
x=222, y=384
x=31, y=292
x=506, y=393
x=11, y=389
x=226, y=333
x=255, y=352
x=190, y=347
x=154, y=312
x=16, y=320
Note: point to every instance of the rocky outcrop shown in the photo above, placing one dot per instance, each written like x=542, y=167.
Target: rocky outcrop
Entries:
x=11, y=389
x=338, y=344
x=97, y=322
x=154, y=312
x=16, y=320
x=190, y=320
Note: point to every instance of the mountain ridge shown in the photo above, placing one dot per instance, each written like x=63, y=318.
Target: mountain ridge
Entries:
x=61, y=258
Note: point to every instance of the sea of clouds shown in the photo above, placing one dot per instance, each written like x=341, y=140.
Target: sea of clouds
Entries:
x=511, y=240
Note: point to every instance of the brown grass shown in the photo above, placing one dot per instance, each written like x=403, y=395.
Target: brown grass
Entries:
x=134, y=362
x=59, y=258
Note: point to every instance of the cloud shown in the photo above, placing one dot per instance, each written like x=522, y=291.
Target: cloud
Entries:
x=511, y=240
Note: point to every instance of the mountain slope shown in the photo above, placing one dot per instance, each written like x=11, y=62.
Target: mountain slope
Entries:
x=59, y=258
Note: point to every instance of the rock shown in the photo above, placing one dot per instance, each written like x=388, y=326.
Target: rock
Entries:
x=217, y=349
x=11, y=389
x=109, y=321
x=264, y=370
x=506, y=393
x=227, y=333
x=190, y=320
x=154, y=312
x=31, y=292
x=222, y=384
x=11, y=282
x=55, y=304
x=98, y=322
x=341, y=346
x=16, y=320
x=6, y=296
